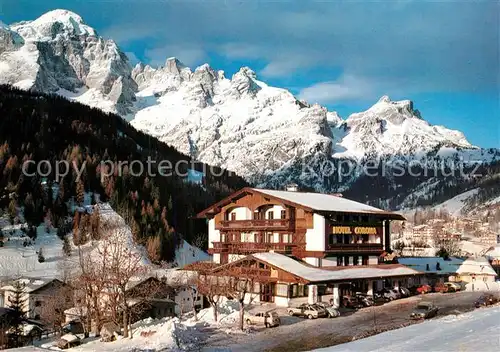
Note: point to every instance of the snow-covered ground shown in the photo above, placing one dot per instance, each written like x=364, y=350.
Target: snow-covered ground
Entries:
x=18, y=260
x=474, y=331
x=167, y=334
x=455, y=205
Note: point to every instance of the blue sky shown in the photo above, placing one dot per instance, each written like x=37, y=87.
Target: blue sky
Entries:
x=443, y=55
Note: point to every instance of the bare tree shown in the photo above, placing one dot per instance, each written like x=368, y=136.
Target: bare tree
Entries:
x=213, y=287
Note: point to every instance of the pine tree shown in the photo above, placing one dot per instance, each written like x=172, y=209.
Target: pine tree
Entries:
x=66, y=248
x=80, y=192
x=41, y=257
x=17, y=303
x=154, y=249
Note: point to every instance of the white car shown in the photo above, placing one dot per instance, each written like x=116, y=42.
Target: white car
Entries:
x=310, y=311
x=268, y=319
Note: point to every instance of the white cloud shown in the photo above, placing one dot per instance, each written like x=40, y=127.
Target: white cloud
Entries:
x=347, y=87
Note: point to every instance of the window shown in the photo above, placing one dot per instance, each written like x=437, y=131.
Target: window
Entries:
x=331, y=239
x=269, y=238
x=364, y=260
x=346, y=260
x=270, y=215
x=340, y=261
x=355, y=260
x=285, y=238
x=233, y=216
x=38, y=303
x=256, y=215
x=364, y=218
x=283, y=214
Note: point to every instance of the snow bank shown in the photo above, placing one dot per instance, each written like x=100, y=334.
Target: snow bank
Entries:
x=474, y=331
x=228, y=315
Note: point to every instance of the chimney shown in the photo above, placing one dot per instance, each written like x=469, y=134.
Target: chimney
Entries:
x=292, y=187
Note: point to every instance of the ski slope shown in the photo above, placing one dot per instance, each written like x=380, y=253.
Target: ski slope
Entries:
x=474, y=331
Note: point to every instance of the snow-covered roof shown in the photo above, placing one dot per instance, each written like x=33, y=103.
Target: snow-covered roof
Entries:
x=314, y=274
x=309, y=200
x=29, y=284
x=323, y=202
x=478, y=266
x=69, y=337
x=494, y=252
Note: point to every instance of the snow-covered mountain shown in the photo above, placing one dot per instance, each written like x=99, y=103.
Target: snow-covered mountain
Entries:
x=263, y=133
x=59, y=53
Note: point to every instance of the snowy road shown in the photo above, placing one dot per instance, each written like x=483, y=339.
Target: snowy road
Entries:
x=297, y=334
x=474, y=331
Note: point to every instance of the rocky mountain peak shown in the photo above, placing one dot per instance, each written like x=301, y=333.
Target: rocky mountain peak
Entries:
x=53, y=23
x=174, y=66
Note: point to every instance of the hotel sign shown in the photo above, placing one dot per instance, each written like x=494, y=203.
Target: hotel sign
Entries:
x=355, y=230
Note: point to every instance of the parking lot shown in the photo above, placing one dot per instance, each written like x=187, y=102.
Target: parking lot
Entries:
x=299, y=334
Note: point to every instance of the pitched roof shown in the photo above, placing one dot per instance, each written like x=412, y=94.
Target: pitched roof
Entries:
x=309, y=200
x=30, y=284
x=479, y=265
x=315, y=274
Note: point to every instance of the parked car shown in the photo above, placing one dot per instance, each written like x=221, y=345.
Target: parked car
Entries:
x=332, y=312
x=268, y=319
x=440, y=287
x=484, y=300
x=404, y=292
x=351, y=302
x=453, y=286
x=424, y=310
x=365, y=300
x=424, y=289
x=390, y=294
x=309, y=311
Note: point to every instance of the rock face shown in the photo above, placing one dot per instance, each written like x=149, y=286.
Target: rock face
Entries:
x=59, y=53
x=240, y=123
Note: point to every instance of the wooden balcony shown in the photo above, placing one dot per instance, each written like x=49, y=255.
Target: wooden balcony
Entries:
x=256, y=225
x=355, y=247
x=251, y=247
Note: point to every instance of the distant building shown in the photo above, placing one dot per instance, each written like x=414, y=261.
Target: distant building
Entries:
x=437, y=269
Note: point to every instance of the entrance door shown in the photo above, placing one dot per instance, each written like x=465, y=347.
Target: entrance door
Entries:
x=266, y=293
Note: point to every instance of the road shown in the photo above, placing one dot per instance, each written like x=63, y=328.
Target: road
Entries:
x=297, y=334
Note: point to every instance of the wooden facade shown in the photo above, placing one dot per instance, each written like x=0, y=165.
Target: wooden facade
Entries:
x=344, y=233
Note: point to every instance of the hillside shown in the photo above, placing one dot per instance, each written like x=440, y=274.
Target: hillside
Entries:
x=52, y=129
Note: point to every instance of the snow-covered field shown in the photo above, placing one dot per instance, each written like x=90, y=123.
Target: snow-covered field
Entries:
x=474, y=331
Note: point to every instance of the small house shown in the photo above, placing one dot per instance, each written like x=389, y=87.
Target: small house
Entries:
x=68, y=341
x=109, y=331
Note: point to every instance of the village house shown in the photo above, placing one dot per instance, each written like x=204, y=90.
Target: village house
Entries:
x=147, y=296
x=423, y=233
x=438, y=269
x=41, y=299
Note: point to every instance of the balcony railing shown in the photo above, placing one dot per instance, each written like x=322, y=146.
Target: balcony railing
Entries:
x=355, y=247
x=251, y=247
x=275, y=224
